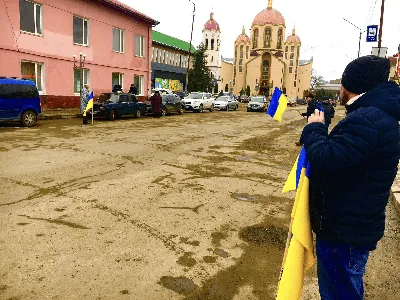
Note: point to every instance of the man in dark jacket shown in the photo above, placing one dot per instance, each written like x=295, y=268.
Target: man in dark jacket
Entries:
x=311, y=106
x=133, y=89
x=329, y=110
x=352, y=171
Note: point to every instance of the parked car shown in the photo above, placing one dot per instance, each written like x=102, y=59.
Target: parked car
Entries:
x=170, y=104
x=292, y=102
x=162, y=91
x=198, y=102
x=301, y=101
x=225, y=103
x=180, y=94
x=112, y=106
x=244, y=99
x=19, y=101
x=257, y=103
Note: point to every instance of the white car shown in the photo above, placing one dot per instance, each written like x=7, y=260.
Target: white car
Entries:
x=257, y=103
x=226, y=103
x=198, y=102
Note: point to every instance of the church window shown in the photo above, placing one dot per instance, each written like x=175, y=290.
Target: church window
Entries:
x=291, y=70
x=212, y=44
x=236, y=51
x=240, y=65
x=206, y=43
x=287, y=49
x=234, y=72
x=291, y=55
x=265, y=70
x=292, y=49
x=267, y=40
x=294, y=83
x=280, y=36
x=247, y=52
x=241, y=51
x=298, y=51
x=212, y=58
x=255, y=38
x=291, y=63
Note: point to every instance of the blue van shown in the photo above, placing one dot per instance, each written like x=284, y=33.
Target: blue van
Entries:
x=19, y=101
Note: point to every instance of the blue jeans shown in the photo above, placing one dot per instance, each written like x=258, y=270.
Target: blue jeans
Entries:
x=340, y=270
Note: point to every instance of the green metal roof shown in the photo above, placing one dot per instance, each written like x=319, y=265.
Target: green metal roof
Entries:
x=170, y=41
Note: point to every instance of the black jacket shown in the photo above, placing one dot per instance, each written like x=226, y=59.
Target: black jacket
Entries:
x=329, y=112
x=353, y=168
x=133, y=90
x=312, y=105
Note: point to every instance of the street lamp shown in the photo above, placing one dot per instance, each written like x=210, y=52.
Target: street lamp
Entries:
x=82, y=59
x=361, y=32
x=190, y=47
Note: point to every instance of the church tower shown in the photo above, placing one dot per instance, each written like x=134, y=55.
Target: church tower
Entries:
x=212, y=41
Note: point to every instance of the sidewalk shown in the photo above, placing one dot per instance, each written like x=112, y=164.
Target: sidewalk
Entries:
x=396, y=192
x=59, y=113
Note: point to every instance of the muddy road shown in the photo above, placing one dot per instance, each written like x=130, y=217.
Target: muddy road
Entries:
x=182, y=207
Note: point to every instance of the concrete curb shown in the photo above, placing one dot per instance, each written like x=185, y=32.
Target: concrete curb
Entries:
x=396, y=200
x=58, y=116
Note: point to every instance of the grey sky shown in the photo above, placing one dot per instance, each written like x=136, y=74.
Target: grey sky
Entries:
x=319, y=23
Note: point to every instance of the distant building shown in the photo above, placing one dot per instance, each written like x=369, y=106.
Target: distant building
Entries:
x=169, y=62
x=39, y=39
x=265, y=60
x=212, y=41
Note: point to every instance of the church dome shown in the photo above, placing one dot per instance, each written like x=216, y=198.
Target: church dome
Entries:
x=211, y=24
x=269, y=16
x=293, y=38
x=242, y=38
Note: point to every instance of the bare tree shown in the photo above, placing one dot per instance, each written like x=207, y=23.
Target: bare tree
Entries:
x=316, y=80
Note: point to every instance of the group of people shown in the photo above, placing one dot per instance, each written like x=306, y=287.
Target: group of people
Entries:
x=352, y=170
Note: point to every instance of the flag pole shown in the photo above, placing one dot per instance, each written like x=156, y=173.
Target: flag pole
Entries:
x=92, y=115
x=289, y=237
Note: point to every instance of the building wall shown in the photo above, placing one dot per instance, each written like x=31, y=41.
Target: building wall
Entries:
x=304, y=79
x=261, y=34
x=276, y=74
x=253, y=73
x=291, y=78
x=226, y=74
x=213, y=55
x=55, y=48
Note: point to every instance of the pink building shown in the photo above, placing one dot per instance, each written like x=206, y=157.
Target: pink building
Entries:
x=39, y=40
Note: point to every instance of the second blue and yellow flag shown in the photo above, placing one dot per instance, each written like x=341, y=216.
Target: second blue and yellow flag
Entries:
x=278, y=105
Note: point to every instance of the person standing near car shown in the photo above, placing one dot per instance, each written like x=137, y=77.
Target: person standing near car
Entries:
x=329, y=110
x=133, y=89
x=156, y=101
x=352, y=172
x=84, y=101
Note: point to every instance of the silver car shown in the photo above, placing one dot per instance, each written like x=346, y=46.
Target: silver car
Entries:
x=226, y=103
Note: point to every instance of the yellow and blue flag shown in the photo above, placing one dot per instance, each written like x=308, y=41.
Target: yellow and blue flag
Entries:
x=278, y=105
x=300, y=255
x=89, y=105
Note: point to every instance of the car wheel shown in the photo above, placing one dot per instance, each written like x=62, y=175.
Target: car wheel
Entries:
x=138, y=114
x=180, y=111
x=201, y=109
x=212, y=108
x=163, y=112
x=112, y=116
x=236, y=107
x=28, y=118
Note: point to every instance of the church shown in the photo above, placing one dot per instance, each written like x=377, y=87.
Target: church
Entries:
x=261, y=62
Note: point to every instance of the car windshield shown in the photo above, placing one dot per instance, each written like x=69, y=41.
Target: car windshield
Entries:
x=113, y=98
x=257, y=99
x=194, y=96
x=223, y=98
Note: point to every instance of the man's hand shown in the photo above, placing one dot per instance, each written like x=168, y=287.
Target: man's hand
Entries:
x=318, y=116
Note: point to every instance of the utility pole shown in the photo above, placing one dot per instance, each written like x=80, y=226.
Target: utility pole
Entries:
x=380, y=28
x=359, y=39
x=190, y=48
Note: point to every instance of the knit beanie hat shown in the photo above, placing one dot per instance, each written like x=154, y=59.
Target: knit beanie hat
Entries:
x=365, y=73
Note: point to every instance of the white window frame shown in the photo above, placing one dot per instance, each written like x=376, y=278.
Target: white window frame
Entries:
x=120, y=79
x=140, y=86
x=85, y=78
x=42, y=81
x=141, y=46
x=34, y=19
x=121, y=40
x=87, y=29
